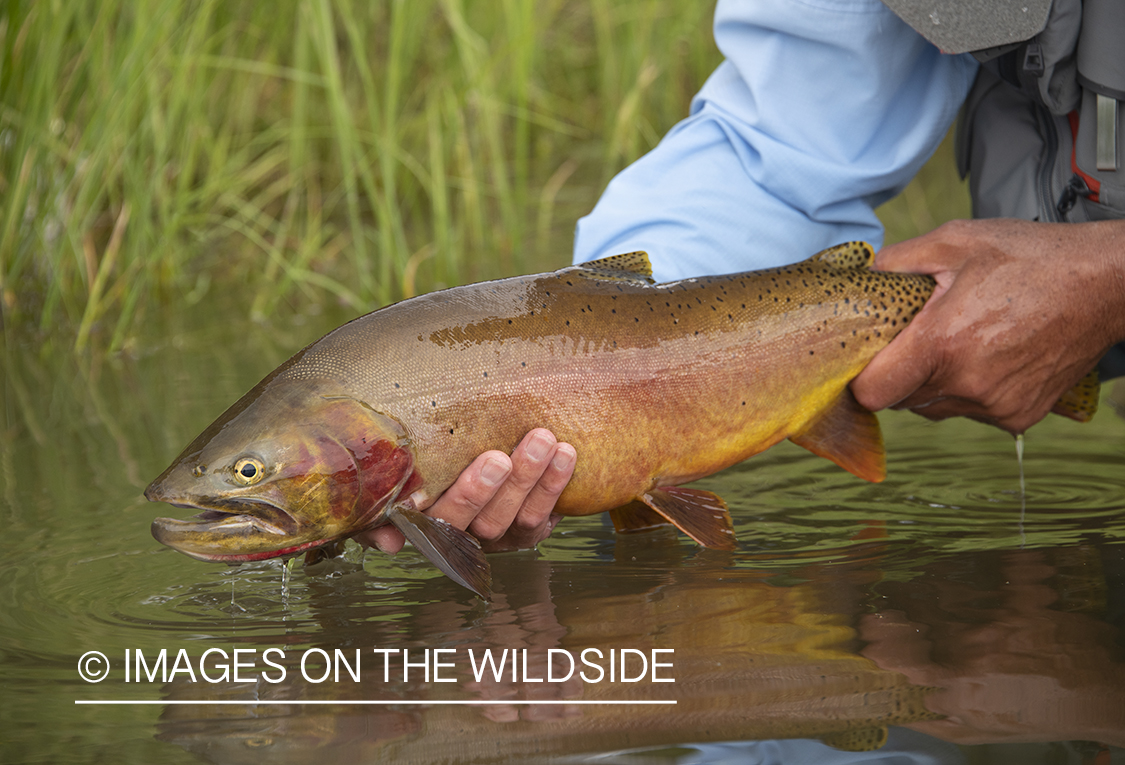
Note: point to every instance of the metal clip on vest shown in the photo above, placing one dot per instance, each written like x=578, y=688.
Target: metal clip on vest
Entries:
x=1107, y=133
x=1101, y=70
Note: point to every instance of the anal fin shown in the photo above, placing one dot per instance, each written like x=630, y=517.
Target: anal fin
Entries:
x=453, y=551
x=849, y=435
x=700, y=514
x=1080, y=402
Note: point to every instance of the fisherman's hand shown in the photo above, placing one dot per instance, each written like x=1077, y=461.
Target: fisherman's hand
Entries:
x=1022, y=311
x=503, y=501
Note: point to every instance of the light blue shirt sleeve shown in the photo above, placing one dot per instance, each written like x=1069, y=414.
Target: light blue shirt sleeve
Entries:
x=822, y=110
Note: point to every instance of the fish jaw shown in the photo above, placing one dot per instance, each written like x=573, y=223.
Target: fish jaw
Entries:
x=322, y=467
x=255, y=531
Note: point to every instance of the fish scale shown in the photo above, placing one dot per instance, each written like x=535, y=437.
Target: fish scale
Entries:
x=655, y=385
x=598, y=358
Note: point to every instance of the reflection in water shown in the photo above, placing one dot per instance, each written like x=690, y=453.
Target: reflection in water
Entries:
x=848, y=606
x=977, y=648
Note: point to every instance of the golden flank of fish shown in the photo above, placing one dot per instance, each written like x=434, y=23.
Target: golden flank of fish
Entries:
x=655, y=385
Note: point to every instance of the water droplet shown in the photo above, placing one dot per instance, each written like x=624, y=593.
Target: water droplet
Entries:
x=1023, y=488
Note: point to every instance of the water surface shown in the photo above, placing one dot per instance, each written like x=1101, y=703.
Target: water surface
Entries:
x=939, y=609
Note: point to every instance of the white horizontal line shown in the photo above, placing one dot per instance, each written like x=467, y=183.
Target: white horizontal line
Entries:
x=386, y=702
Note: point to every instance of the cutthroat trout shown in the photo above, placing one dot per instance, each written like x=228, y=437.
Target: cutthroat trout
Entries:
x=655, y=385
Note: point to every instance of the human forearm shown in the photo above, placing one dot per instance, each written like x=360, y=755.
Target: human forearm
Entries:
x=820, y=112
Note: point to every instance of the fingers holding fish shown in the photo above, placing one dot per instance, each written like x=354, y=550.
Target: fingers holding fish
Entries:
x=459, y=504
x=518, y=516
x=503, y=501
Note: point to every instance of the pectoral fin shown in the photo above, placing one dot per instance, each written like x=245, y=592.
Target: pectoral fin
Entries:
x=849, y=435
x=327, y=552
x=700, y=514
x=1080, y=402
x=453, y=551
x=857, y=740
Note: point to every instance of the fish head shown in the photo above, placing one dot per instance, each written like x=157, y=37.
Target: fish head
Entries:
x=290, y=467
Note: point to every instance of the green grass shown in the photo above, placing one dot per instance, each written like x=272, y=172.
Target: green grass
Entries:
x=324, y=150
x=348, y=151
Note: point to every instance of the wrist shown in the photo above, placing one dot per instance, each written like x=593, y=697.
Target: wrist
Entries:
x=1108, y=241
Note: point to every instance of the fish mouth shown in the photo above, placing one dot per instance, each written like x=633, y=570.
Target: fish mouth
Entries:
x=236, y=531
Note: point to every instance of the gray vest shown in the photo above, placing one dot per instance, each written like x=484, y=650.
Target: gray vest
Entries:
x=1042, y=133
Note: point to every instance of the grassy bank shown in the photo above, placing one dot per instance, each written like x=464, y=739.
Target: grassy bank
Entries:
x=333, y=150
x=321, y=150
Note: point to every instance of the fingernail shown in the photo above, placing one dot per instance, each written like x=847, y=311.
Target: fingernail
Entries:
x=564, y=458
x=493, y=472
x=539, y=447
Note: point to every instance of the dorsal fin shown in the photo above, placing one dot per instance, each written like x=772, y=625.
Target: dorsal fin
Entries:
x=847, y=255
x=628, y=267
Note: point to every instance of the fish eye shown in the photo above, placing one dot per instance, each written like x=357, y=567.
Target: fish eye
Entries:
x=249, y=470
